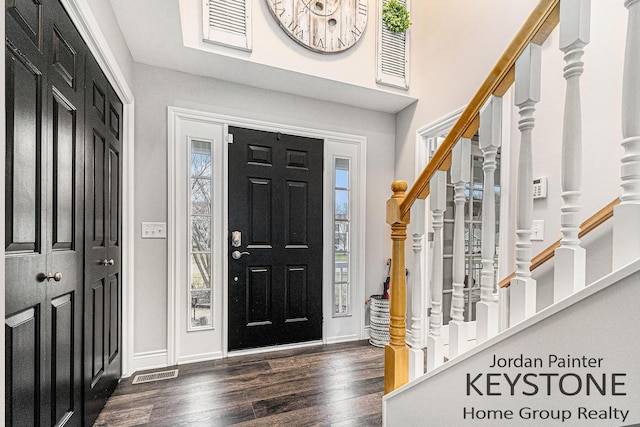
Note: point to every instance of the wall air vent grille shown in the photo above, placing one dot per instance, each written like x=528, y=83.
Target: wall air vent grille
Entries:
x=228, y=15
x=392, y=53
x=227, y=23
x=155, y=376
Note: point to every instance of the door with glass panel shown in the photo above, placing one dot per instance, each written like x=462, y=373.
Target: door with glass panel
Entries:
x=275, y=239
x=472, y=235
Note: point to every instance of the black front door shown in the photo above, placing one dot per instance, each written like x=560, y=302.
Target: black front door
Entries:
x=44, y=215
x=275, y=259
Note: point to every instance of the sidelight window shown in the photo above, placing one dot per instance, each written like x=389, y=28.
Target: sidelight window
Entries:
x=201, y=253
x=341, y=238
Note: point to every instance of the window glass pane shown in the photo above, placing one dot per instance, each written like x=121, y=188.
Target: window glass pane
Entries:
x=448, y=237
x=200, y=224
x=341, y=267
x=448, y=213
x=201, y=234
x=342, y=173
x=200, y=158
x=478, y=173
x=341, y=236
x=342, y=204
x=447, y=276
x=200, y=271
x=200, y=308
x=200, y=196
x=342, y=286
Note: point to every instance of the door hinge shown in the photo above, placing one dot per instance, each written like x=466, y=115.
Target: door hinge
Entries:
x=230, y=138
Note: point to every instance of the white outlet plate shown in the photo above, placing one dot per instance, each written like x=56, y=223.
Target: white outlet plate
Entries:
x=154, y=230
x=537, y=230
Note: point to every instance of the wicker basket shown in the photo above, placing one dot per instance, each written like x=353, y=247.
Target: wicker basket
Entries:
x=379, y=321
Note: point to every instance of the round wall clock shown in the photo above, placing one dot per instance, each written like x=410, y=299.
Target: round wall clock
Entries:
x=325, y=26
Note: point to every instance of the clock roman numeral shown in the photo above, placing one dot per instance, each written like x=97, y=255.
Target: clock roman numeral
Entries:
x=295, y=30
x=340, y=42
x=320, y=44
x=276, y=9
x=362, y=9
x=356, y=32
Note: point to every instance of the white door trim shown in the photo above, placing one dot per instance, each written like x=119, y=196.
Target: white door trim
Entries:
x=175, y=114
x=423, y=152
x=88, y=27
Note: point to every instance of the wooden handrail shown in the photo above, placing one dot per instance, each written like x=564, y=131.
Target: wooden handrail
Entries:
x=542, y=20
x=585, y=228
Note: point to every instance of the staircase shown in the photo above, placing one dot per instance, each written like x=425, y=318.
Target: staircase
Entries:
x=573, y=361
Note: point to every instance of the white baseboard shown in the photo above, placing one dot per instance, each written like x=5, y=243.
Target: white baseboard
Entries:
x=150, y=360
x=343, y=338
x=202, y=357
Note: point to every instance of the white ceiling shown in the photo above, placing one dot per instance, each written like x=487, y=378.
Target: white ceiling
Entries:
x=153, y=32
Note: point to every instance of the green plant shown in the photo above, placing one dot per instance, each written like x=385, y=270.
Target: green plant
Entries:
x=395, y=16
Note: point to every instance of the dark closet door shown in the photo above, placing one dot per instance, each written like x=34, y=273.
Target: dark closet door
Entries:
x=103, y=239
x=275, y=202
x=44, y=219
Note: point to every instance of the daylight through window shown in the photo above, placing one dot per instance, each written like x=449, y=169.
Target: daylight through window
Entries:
x=201, y=252
x=341, y=239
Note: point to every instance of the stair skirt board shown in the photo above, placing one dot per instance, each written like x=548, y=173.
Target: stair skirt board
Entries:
x=607, y=289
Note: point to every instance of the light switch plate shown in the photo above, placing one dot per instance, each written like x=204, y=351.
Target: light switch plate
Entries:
x=154, y=230
x=537, y=230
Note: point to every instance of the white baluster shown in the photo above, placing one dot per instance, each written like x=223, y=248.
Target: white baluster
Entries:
x=626, y=216
x=416, y=354
x=490, y=141
x=522, y=294
x=438, y=204
x=570, y=258
x=460, y=176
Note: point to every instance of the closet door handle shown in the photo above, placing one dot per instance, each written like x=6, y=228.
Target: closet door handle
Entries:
x=108, y=262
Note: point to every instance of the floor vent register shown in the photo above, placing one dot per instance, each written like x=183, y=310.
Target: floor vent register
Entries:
x=155, y=376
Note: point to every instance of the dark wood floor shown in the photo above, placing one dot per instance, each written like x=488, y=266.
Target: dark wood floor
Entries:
x=332, y=385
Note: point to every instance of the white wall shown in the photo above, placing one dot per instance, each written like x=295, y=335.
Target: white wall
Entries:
x=454, y=46
x=601, y=112
x=157, y=88
x=471, y=52
x=275, y=63
x=273, y=47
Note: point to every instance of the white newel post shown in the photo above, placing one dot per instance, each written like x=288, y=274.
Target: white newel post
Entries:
x=460, y=176
x=570, y=257
x=522, y=295
x=487, y=322
x=626, y=216
x=416, y=354
x=438, y=204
